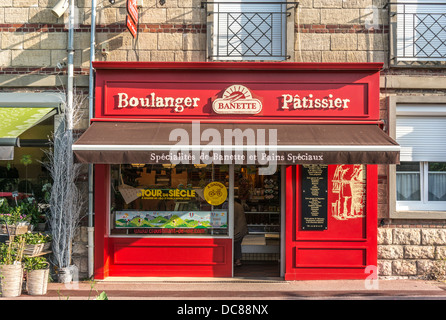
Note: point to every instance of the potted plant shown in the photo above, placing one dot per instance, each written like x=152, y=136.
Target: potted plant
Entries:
x=37, y=274
x=13, y=221
x=30, y=209
x=66, y=201
x=11, y=270
x=35, y=243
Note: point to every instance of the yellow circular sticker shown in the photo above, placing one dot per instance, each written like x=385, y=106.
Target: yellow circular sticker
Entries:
x=215, y=193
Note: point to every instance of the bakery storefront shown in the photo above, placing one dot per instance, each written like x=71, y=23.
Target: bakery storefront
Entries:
x=179, y=148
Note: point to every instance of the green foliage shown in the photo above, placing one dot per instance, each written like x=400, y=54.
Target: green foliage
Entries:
x=102, y=296
x=437, y=166
x=34, y=238
x=35, y=263
x=12, y=215
x=46, y=189
x=30, y=209
x=12, y=252
x=25, y=211
x=26, y=159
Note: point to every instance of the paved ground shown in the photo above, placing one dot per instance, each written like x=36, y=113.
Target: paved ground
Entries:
x=242, y=289
x=237, y=298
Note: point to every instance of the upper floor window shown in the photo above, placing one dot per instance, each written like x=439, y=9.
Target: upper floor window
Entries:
x=248, y=30
x=421, y=176
x=418, y=32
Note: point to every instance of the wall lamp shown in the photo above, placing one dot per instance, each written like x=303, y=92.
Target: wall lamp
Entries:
x=60, y=8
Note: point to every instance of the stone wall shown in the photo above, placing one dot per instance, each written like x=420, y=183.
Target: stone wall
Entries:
x=80, y=252
x=409, y=252
x=341, y=31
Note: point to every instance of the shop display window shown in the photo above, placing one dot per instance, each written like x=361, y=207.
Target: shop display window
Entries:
x=169, y=200
x=24, y=180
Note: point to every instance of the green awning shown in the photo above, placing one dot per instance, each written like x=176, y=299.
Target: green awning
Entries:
x=16, y=120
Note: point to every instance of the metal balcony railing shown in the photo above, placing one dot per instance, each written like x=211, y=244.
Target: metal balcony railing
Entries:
x=248, y=30
x=418, y=32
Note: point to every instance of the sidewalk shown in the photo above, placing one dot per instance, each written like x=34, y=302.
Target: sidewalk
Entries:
x=242, y=289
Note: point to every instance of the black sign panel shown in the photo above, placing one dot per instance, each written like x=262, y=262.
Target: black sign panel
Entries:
x=314, y=197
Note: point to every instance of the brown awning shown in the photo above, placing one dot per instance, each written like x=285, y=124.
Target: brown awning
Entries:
x=228, y=143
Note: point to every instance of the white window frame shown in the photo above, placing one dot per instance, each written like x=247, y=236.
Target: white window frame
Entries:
x=422, y=209
x=424, y=204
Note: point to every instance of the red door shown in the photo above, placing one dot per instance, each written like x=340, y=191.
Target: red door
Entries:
x=344, y=245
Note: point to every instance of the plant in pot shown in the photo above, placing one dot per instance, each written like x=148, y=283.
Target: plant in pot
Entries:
x=66, y=201
x=30, y=209
x=11, y=269
x=35, y=243
x=13, y=221
x=37, y=275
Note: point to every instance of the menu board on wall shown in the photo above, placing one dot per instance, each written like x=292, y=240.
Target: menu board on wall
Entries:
x=314, y=183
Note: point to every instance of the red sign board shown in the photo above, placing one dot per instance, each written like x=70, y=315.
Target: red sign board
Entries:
x=209, y=93
x=132, y=9
x=148, y=99
x=131, y=26
x=132, y=17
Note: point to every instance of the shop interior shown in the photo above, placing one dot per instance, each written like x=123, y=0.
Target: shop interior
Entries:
x=26, y=176
x=259, y=195
x=261, y=200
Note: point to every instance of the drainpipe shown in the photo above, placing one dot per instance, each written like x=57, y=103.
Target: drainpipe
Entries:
x=90, y=228
x=70, y=51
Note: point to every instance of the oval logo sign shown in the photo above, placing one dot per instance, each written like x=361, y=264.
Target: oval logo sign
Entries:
x=237, y=99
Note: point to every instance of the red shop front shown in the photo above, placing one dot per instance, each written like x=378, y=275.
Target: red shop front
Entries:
x=180, y=149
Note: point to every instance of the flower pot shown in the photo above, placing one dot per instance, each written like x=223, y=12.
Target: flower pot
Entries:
x=33, y=249
x=65, y=275
x=14, y=229
x=37, y=281
x=11, y=279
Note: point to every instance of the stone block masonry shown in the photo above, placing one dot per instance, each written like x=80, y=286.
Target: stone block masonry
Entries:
x=409, y=252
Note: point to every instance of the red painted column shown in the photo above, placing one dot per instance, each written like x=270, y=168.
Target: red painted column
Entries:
x=372, y=215
x=101, y=209
x=290, y=223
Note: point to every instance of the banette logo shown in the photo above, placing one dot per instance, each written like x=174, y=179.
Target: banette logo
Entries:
x=237, y=99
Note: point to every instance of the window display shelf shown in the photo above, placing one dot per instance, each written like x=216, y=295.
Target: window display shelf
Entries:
x=264, y=229
x=261, y=222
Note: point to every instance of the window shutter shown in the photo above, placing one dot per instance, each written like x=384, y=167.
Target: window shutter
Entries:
x=421, y=138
